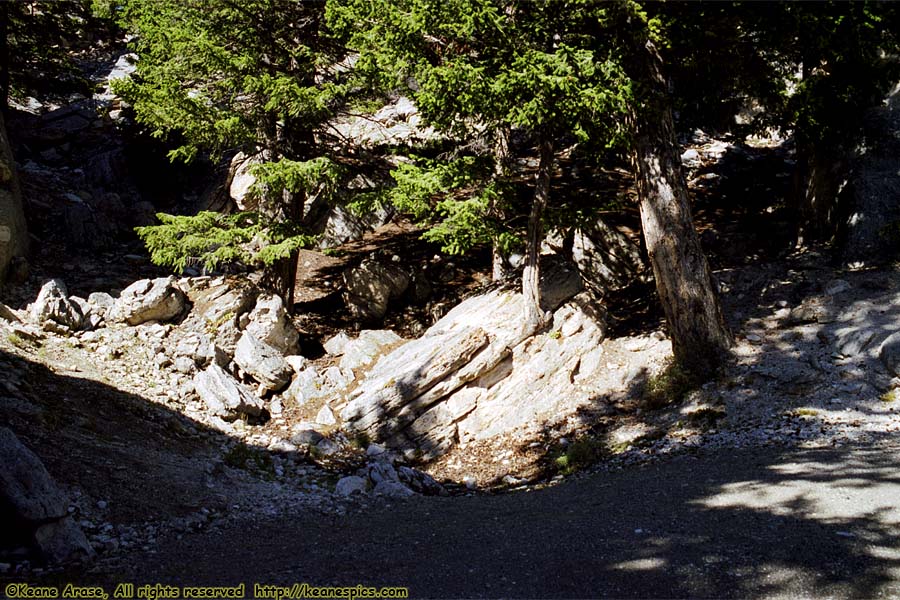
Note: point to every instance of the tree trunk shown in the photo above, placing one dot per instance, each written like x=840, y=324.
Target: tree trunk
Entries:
x=700, y=339
x=279, y=208
x=531, y=276
x=13, y=232
x=4, y=57
x=500, y=263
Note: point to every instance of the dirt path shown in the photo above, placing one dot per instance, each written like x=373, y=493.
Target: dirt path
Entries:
x=748, y=523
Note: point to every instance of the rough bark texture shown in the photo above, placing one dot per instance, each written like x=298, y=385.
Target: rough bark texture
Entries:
x=13, y=233
x=822, y=175
x=500, y=265
x=699, y=337
x=531, y=276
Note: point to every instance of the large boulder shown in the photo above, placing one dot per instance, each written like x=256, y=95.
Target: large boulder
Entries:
x=606, y=258
x=270, y=323
x=369, y=288
x=262, y=362
x=36, y=506
x=225, y=396
x=149, y=300
x=478, y=372
x=242, y=181
x=53, y=307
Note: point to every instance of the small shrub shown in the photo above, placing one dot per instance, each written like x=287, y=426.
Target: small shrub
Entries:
x=577, y=455
x=17, y=340
x=241, y=456
x=669, y=386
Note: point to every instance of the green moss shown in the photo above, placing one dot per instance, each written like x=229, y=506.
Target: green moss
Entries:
x=891, y=395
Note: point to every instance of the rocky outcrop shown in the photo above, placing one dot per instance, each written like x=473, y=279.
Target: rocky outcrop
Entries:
x=478, y=373
x=149, y=300
x=13, y=232
x=36, y=509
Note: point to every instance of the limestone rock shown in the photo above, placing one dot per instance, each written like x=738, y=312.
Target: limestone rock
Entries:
x=101, y=303
x=325, y=416
x=63, y=541
x=392, y=489
x=368, y=345
x=370, y=287
x=890, y=354
x=262, y=362
x=306, y=386
x=336, y=344
x=242, y=181
x=149, y=300
x=352, y=484
x=224, y=396
x=53, y=306
x=478, y=372
x=606, y=258
x=270, y=323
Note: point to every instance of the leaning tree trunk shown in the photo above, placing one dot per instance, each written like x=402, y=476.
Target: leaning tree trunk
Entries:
x=531, y=276
x=700, y=338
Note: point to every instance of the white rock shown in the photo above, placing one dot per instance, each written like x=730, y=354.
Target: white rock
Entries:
x=393, y=489
x=53, y=306
x=352, y=484
x=149, y=300
x=336, y=344
x=262, y=362
x=269, y=322
x=224, y=396
x=325, y=416
x=297, y=362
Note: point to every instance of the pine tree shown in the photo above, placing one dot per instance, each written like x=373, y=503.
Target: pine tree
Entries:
x=479, y=69
x=220, y=76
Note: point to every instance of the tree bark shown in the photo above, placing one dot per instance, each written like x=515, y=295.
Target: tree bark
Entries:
x=13, y=230
x=500, y=264
x=700, y=339
x=4, y=57
x=531, y=276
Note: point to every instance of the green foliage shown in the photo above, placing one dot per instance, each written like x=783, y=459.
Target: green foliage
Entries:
x=578, y=454
x=482, y=67
x=214, y=239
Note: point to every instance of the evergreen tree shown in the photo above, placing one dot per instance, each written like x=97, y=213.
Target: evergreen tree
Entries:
x=479, y=69
x=250, y=75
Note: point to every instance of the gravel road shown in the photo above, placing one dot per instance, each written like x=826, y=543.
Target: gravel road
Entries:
x=745, y=523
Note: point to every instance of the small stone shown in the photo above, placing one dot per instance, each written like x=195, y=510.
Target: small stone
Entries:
x=836, y=286
x=325, y=416
x=375, y=450
x=470, y=482
x=102, y=504
x=392, y=489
